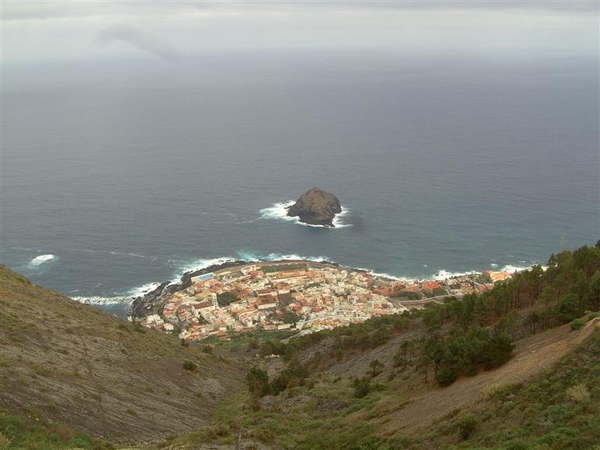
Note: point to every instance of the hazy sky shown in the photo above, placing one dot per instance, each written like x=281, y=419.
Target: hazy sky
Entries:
x=69, y=30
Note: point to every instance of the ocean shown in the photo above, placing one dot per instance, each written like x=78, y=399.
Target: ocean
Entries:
x=118, y=176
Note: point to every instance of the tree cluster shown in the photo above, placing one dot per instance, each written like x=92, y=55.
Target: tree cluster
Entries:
x=225, y=298
x=259, y=384
x=463, y=352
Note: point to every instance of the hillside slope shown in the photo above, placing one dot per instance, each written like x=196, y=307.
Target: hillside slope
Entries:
x=557, y=409
x=532, y=356
x=446, y=376
x=72, y=363
x=410, y=405
x=545, y=397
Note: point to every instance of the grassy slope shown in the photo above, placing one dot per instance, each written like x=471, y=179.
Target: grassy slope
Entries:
x=72, y=363
x=546, y=397
x=557, y=410
x=424, y=406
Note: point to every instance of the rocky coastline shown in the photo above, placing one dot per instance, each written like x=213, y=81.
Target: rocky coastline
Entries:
x=141, y=306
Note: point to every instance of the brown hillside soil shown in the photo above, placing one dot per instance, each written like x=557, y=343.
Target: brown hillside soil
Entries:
x=532, y=356
x=75, y=364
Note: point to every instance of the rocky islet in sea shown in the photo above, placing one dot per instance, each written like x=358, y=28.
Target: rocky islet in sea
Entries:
x=316, y=207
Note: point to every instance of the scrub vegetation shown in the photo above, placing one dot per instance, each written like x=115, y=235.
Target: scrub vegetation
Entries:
x=517, y=367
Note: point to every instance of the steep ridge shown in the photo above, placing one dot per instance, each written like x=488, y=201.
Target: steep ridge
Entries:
x=72, y=363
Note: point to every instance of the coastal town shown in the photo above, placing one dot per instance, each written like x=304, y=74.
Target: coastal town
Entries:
x=295, y=295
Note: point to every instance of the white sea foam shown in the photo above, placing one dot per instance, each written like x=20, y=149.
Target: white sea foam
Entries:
x=244, y=256
x=510, y=268
x=278, y=211
x=100, y=300
x=249, y=256
x=383, y=274
x=125, y=298
x=199, y=264
x=441, y=275
x=337, y=220
x=42, y=259
x=131, y=254
x=139, y=291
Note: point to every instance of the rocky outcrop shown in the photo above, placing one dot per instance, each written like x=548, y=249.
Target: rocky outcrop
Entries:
x=316, y=207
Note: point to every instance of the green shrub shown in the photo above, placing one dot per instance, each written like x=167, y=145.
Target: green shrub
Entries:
x=446, y=376
x=578, y=393
x=258, y=382
x=376, y=367
x=362, y=388
x=263, y=434
x=578, y=324
x=489, y=391
x=225, y=298
x=466, y=426
x=138, y=328
x=559, y=436
x=82, y=441
x=4, y=442
x=369, y=443
x=189, y=365
x=517, y=445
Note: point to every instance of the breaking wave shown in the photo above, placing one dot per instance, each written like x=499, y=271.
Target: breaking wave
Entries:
x=509, y=268
x=42, y=259
x=512, y=268
x=199, y=264
x=98, y=300
x=251, y=256
x=278, y=211
x=117, y=299
x=144, y=289
x=243, y=256
x=444, y=274
x=383, y=274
